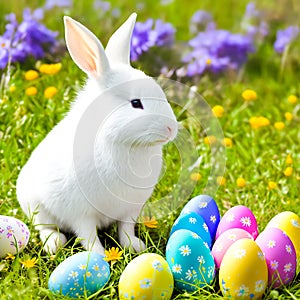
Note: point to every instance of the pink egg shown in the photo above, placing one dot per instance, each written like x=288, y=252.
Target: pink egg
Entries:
x=225, y=240
x=238, y=217
x=280, y=256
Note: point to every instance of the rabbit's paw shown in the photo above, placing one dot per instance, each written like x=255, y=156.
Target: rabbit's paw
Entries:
x=53, y=240
x=134, y=243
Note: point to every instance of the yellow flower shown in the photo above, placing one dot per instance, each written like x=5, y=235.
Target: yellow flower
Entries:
x=288, y=116
x=31, y=75
x=258, y=122
x=29, y=263
x=279, y=125
x=288, y=171
x=272, y=185
x=12, y=88
x=50, y=69
x=10, y=256
x=218, y=111
x=113, y=254
x=289, y=159
x=249, y=95
x=209, y=140
x=31, y=91
x=195, y=176
x=241, y=182
x=227, y=142
x=50, y=92
x=221, y=180
x=150, y=223
x=292, y=99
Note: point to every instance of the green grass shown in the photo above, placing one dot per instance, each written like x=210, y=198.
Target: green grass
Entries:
x=256, y=155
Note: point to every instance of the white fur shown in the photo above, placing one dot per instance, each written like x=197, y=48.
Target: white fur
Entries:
x=100, y=164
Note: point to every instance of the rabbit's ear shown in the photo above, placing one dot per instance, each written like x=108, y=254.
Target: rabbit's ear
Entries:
x=118, y=46
x=85, y=49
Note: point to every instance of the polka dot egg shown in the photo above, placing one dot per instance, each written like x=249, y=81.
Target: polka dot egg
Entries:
x=14, y=235
x=82, y=273
x=147, y=277
x=190, y=260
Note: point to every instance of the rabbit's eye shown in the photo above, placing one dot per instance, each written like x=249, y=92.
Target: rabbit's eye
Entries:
x=137, y=103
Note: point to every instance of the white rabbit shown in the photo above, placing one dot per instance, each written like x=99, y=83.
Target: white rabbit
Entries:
x=100, y=164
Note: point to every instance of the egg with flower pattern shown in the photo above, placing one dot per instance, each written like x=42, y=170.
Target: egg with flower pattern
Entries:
x=14, y=235
x=207, y=208
x=243, y=271
x=193, y=222
x=148, y=276
x=238, y=217
x=289, y=223
x=190, y=260
x=280, y=256
x=81, y=274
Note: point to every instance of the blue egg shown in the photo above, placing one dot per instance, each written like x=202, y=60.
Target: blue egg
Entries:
x=83, y=273
x=190, y=260
x=207, y=208
x=193, y=222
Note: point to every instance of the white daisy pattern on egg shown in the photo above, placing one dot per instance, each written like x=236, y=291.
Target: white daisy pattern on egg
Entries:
x=219, y=248
x=177, y=269
x=271, y=244
x=213, y=219
x=240, y=253
x=287, y=267
x=157, y=265
x=202, y=205
x=192, y=220
x=185, y=250
x=205, y=227
x=289, y=249
x=295, y=223
x=231, y=237
x=73, y=274
x=274, y=264
x=260, y=286
x=243, y=291
x=145, y=283
x=260, y=255
x=82, y=267
x=195, y=236
x=230, y=218
x=201, y=259
x=246, y=221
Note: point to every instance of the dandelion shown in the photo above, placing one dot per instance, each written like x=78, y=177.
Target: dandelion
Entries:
x=288, y=116
x=221, y=180
x=209, y=140
x=29, y=263
x=10, y=256
x=50, y=92
x=12, y=88
x=249, y=95
x=31, y=91
x=258, y=122
x=196, y=176
x=279, y=125
x=113, y=254
x=272, y=185
x=150, y=223
x=292, y=99
x=50, y=69
x=227, y=142
x=289, y=159
x=31, y=75
x=241, y=182
x=218, y=110
x=288, y=171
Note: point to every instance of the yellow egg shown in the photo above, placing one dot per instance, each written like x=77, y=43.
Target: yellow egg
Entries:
x=289, y=223
x=148, y=277
x=243, y=271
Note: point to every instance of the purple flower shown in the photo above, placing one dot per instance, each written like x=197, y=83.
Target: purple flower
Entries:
x=50, y=4
x=201, y=20
x=29, y=38
x=285, y=37
x=104, y=6
x=145, y=37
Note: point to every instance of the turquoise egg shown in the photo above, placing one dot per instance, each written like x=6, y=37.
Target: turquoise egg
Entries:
x=83, y=273
x=207, y=208
x=193, y=222
x=190, y=260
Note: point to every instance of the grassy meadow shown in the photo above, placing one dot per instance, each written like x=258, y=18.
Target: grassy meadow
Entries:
x=262, y=160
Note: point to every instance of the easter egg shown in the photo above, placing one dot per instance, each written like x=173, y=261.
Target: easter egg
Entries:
x=238, y=217
x=243, y=271
x=280, y=256
x=289, y=223
x=207, y=208
x=82, y=273
x=193, y=222
x=14, y=235
x=190, y=260
x=148, y=276
x=225, y=240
